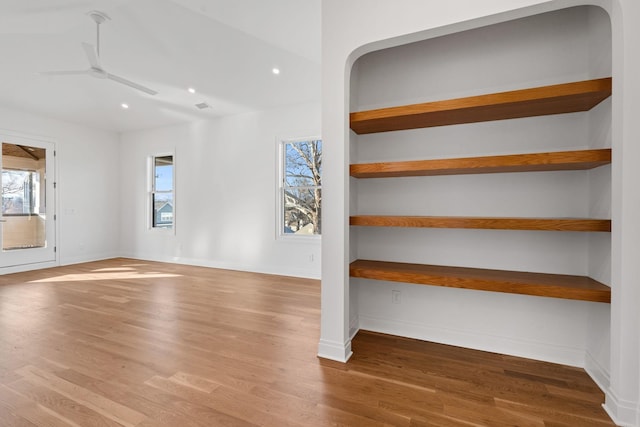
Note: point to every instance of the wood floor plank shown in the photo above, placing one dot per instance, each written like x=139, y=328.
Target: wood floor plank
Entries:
x=146, y=344
x=196, y=403
x=161, y=408
x=7, y=418
x=63, y=407
x=24, y=410
x=110, y=409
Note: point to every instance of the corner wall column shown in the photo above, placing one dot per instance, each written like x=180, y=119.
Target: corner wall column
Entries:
x=623, y=394
x=335, y=342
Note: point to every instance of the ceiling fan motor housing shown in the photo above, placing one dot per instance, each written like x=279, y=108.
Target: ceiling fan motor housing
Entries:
x=98, y=17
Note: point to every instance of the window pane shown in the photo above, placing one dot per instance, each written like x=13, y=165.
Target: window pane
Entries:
x=163, y=173
x=301, y=191
x=23, y=197
x=302, y=214
x=20, y=192
x=303, y=163
x=162, y=210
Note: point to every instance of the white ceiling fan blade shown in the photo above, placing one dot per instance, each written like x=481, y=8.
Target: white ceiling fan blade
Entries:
x=131, y=84
x=92, y=56
x=63, y=73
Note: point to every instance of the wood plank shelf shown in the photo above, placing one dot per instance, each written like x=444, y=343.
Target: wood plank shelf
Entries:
x=491, y=223
x=540, y=101
x=516, y=282
x=533, y=162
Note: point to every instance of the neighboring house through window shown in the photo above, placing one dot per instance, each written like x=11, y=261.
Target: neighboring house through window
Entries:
x=162, y=192
x=300, y=192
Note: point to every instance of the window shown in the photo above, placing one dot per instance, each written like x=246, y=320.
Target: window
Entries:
x=300, y=190
x=20, y=192
x=162, y=192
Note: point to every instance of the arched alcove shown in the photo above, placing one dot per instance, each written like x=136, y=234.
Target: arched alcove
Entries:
x=567, y=45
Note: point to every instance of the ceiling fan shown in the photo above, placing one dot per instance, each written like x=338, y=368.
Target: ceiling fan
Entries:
x=93, y=55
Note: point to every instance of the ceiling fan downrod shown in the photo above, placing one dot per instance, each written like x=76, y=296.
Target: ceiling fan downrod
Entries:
x=98, y=17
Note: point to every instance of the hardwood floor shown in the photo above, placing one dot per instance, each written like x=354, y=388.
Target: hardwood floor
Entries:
x=137, y=343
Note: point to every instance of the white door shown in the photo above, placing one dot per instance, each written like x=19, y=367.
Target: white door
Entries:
x=27, y=223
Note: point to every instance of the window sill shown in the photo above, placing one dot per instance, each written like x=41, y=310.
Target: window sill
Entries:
x=299, y=238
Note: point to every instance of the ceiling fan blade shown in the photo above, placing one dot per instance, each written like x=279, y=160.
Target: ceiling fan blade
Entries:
x=131, y=84
x=92, y=55
x=63, y=73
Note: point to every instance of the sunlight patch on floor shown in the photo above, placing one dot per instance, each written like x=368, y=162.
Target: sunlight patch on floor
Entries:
x=119, y=275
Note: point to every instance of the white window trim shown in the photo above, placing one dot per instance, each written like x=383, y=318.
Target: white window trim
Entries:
x=149, y=197
x=280, y=234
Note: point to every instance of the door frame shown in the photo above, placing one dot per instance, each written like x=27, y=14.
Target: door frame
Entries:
x=14, y=137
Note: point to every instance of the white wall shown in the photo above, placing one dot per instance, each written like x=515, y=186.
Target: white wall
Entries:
x=87, y=199
x=225, y=209
x=348, y=33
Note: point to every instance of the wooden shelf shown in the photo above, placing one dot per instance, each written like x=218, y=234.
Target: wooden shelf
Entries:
x=540, y=101
x=515, y=282
x=533, y=162
x=540, y=224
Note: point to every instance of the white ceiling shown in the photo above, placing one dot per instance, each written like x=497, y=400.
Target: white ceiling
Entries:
x=225, y=49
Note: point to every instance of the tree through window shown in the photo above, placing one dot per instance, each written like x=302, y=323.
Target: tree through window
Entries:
x=301, y=188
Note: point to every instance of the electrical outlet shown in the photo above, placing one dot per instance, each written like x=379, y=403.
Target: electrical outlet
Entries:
x=395, y=296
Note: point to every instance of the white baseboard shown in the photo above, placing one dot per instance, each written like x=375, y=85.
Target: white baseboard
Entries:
x=597, y=372
x=27, y=267
x=496, y=344
x=62, y=260
x=263, y=269
x=623, y=413
x=333, y=350
x=354, y=327
x=88, y=258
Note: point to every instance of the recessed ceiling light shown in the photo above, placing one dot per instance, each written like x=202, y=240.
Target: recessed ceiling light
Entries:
x=125, y=106
x=276, y=71
x=191, y=90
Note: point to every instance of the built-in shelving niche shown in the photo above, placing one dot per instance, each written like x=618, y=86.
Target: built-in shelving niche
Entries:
x=508, y=135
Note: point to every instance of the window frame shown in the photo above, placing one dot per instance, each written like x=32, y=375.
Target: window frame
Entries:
x=151, y=192
x=280, y=198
